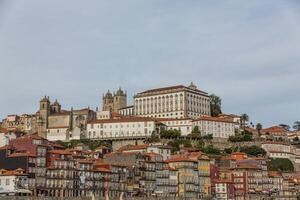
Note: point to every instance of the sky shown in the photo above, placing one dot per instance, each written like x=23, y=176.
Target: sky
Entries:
x=246, y=52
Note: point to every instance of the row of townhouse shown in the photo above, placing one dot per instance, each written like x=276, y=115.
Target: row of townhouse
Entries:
x=240, y=177
x=144, y=170
x=143, y=127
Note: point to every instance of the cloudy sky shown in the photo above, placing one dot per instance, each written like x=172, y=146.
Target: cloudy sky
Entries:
x=247, y=52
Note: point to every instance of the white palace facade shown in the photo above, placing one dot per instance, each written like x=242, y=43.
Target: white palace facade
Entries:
x=172, y=102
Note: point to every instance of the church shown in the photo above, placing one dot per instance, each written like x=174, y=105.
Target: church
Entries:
x=53, y=123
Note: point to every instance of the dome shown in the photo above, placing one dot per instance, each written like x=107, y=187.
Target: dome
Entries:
x=120, y=92
x=108, y=94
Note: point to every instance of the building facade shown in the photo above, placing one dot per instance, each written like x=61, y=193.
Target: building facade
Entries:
x=131, y=127
x=113, y=102
x=172, y=102
x=54, y=123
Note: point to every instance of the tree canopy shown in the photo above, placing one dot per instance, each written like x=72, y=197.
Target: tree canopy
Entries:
x=172, y=133
x=215, y=105
x=253, y=150
x=296, y=126
x=280, y=164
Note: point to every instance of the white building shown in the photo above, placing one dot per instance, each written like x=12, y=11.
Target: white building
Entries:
x=103, y=115
x=127, y=127
x=6, y=136
x=13, y=182
x=126, y=111
x=172, y=102
x=185, y=126
x=277, y=149
x=158, y=148
x=63, y=133
x=219, y=127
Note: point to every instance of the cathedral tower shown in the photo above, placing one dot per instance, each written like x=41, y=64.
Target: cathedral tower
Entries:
x=44, y=112
x=113, y=102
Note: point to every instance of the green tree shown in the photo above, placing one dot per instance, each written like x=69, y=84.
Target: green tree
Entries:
x=170, y=133
x=207, y=137
x=285, y=126
x=176, y=144
x=210, y=149
x=244, y=120
x=228, y=150
x=280, y=164
x=259, y=128
x=215, y=105
x=195, y=132
x=296, y=126
x=253, y=150
x=154, y=138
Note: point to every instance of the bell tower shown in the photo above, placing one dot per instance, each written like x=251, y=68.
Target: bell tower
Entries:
x=43, y=116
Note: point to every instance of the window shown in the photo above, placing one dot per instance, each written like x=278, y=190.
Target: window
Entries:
x=7, y=182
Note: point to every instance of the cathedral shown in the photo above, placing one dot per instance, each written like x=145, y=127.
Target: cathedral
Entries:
x=113, y=102
x=54, y=123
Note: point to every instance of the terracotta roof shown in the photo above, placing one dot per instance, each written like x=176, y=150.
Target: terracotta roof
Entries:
x=133, y=147
x=3, y=130
x=215, y=119
x=123, y=119
x=62, y=152
x=172, y=119
x=274, y=174
x=274, y=129
x=181, y=158
x=102, y=169
x=170, y=88
x=6, y=147
x=27, y=154
x=15, y=172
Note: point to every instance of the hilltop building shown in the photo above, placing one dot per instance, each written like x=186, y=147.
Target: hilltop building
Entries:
x=113, y=102
x=54, y=123
x=172, y=102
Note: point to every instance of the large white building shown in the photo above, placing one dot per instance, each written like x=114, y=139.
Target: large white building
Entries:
x=185, y=126
x=172, y=102
x=6, y=136
x=219, y=127
x=127, y=127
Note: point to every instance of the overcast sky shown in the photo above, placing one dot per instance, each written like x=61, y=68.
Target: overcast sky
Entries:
x=247, y=52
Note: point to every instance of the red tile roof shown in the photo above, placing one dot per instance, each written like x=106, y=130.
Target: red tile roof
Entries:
x=133, y=147
x=123, y=119
x=181, y=158
x=3, y=130
x=15, y=172
x=215, y=119
x=176, y=87
x=27, y=154
x=274, y=129
x=62, y=152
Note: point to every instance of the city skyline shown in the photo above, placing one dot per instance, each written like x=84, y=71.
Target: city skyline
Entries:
x=246, y=53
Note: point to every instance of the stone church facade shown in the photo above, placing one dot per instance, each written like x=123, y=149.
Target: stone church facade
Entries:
x=114, y=101
x=54, y=123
